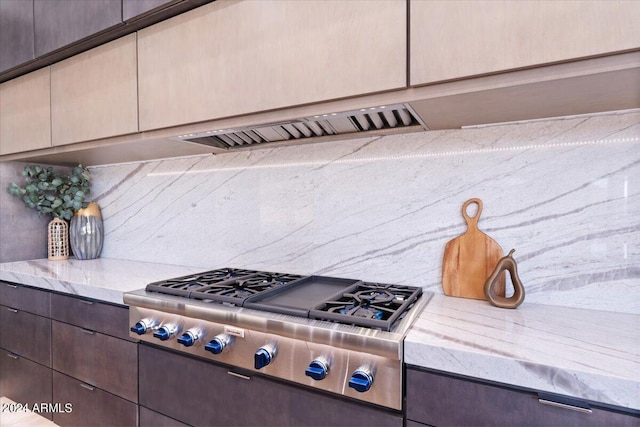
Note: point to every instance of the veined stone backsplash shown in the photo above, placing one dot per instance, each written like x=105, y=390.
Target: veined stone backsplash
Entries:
x=564, y=193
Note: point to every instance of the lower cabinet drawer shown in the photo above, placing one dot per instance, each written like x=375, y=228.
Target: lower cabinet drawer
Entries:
x=149, y=418
x=100, y=360
x=105, y=318
x=26, y=334
x=24, y=381
x=23, y=298
x=90, y=406
x=442, y=401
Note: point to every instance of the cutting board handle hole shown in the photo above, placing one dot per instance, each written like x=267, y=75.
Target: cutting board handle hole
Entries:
x=472, y=209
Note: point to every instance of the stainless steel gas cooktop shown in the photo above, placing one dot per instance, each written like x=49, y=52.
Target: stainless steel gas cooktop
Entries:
x=338, y=335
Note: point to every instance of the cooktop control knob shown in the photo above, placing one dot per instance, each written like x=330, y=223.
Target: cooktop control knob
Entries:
x=219, y=343
x=189, y=338
x=144, y=326
x=264, y=356
x=361, y=380
x=318, y=369
x=166, y=331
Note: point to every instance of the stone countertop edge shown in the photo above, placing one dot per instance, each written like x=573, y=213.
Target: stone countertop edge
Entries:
x=103, y=279
x=586, y=354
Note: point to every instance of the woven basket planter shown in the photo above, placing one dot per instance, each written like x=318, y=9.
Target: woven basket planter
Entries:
x=58, y=240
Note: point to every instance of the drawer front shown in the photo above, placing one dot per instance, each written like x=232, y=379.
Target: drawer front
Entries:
x=443, y=401
x=149, y=418
x=24, y=381
x=91, y=406
x=27, y=299
x=26, y=334
x=105, y=318
x=100, y=360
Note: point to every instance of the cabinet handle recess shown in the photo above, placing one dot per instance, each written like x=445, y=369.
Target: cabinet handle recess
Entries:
x=13, y=356
x=12, y=286
x=13, y=310
x=565, y=406
x=87, y=386
x=87, y=302
x=234, y=374
x=86, y=331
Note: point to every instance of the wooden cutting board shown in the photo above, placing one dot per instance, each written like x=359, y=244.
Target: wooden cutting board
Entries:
x=470, y=259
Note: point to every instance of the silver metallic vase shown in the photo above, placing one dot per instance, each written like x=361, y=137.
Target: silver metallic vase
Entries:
x=86, y=232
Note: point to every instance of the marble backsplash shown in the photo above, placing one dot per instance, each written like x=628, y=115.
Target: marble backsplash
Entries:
x=564, y=193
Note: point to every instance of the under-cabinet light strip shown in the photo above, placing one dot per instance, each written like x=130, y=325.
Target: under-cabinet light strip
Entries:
x=554, y=118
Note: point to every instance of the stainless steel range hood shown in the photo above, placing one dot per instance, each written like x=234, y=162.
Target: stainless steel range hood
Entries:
x=379, y=120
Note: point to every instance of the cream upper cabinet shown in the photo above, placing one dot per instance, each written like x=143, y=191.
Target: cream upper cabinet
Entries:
x=455, y=39
x=94, y=94
x=25, y=115
x=235, y=57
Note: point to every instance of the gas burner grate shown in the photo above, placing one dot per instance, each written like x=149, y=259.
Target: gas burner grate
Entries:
x=228, y=285
x=185, y=285
x=373, y=305
x=236, y=291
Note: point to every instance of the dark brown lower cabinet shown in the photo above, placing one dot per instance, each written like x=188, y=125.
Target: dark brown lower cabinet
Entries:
x=95, y=363
x=149, y=418
x=442, y=400
x=25, y=342
x=26, y=334
x=90, y=406
x=106, y=362
x=96, y=316
x=26, y=299
x=24, y=381
x=202, y=393
x=94, y=381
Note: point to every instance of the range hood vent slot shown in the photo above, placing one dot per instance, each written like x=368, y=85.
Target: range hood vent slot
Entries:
x=326, y=126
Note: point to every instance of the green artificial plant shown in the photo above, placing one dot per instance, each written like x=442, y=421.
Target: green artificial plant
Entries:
x=53, y=193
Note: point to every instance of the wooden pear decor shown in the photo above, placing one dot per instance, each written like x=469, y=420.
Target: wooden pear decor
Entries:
x=469, y=259
x=506, y=263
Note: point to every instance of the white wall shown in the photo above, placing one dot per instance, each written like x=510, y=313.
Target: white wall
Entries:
x=565, y=194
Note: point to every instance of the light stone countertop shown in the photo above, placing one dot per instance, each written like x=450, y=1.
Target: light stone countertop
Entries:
x=587, y=354
x=103, y=279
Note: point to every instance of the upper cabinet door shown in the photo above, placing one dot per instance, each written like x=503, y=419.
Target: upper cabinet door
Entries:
x=455, y=39
x=235, y=57
x=94, y=94
x=25, y=114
